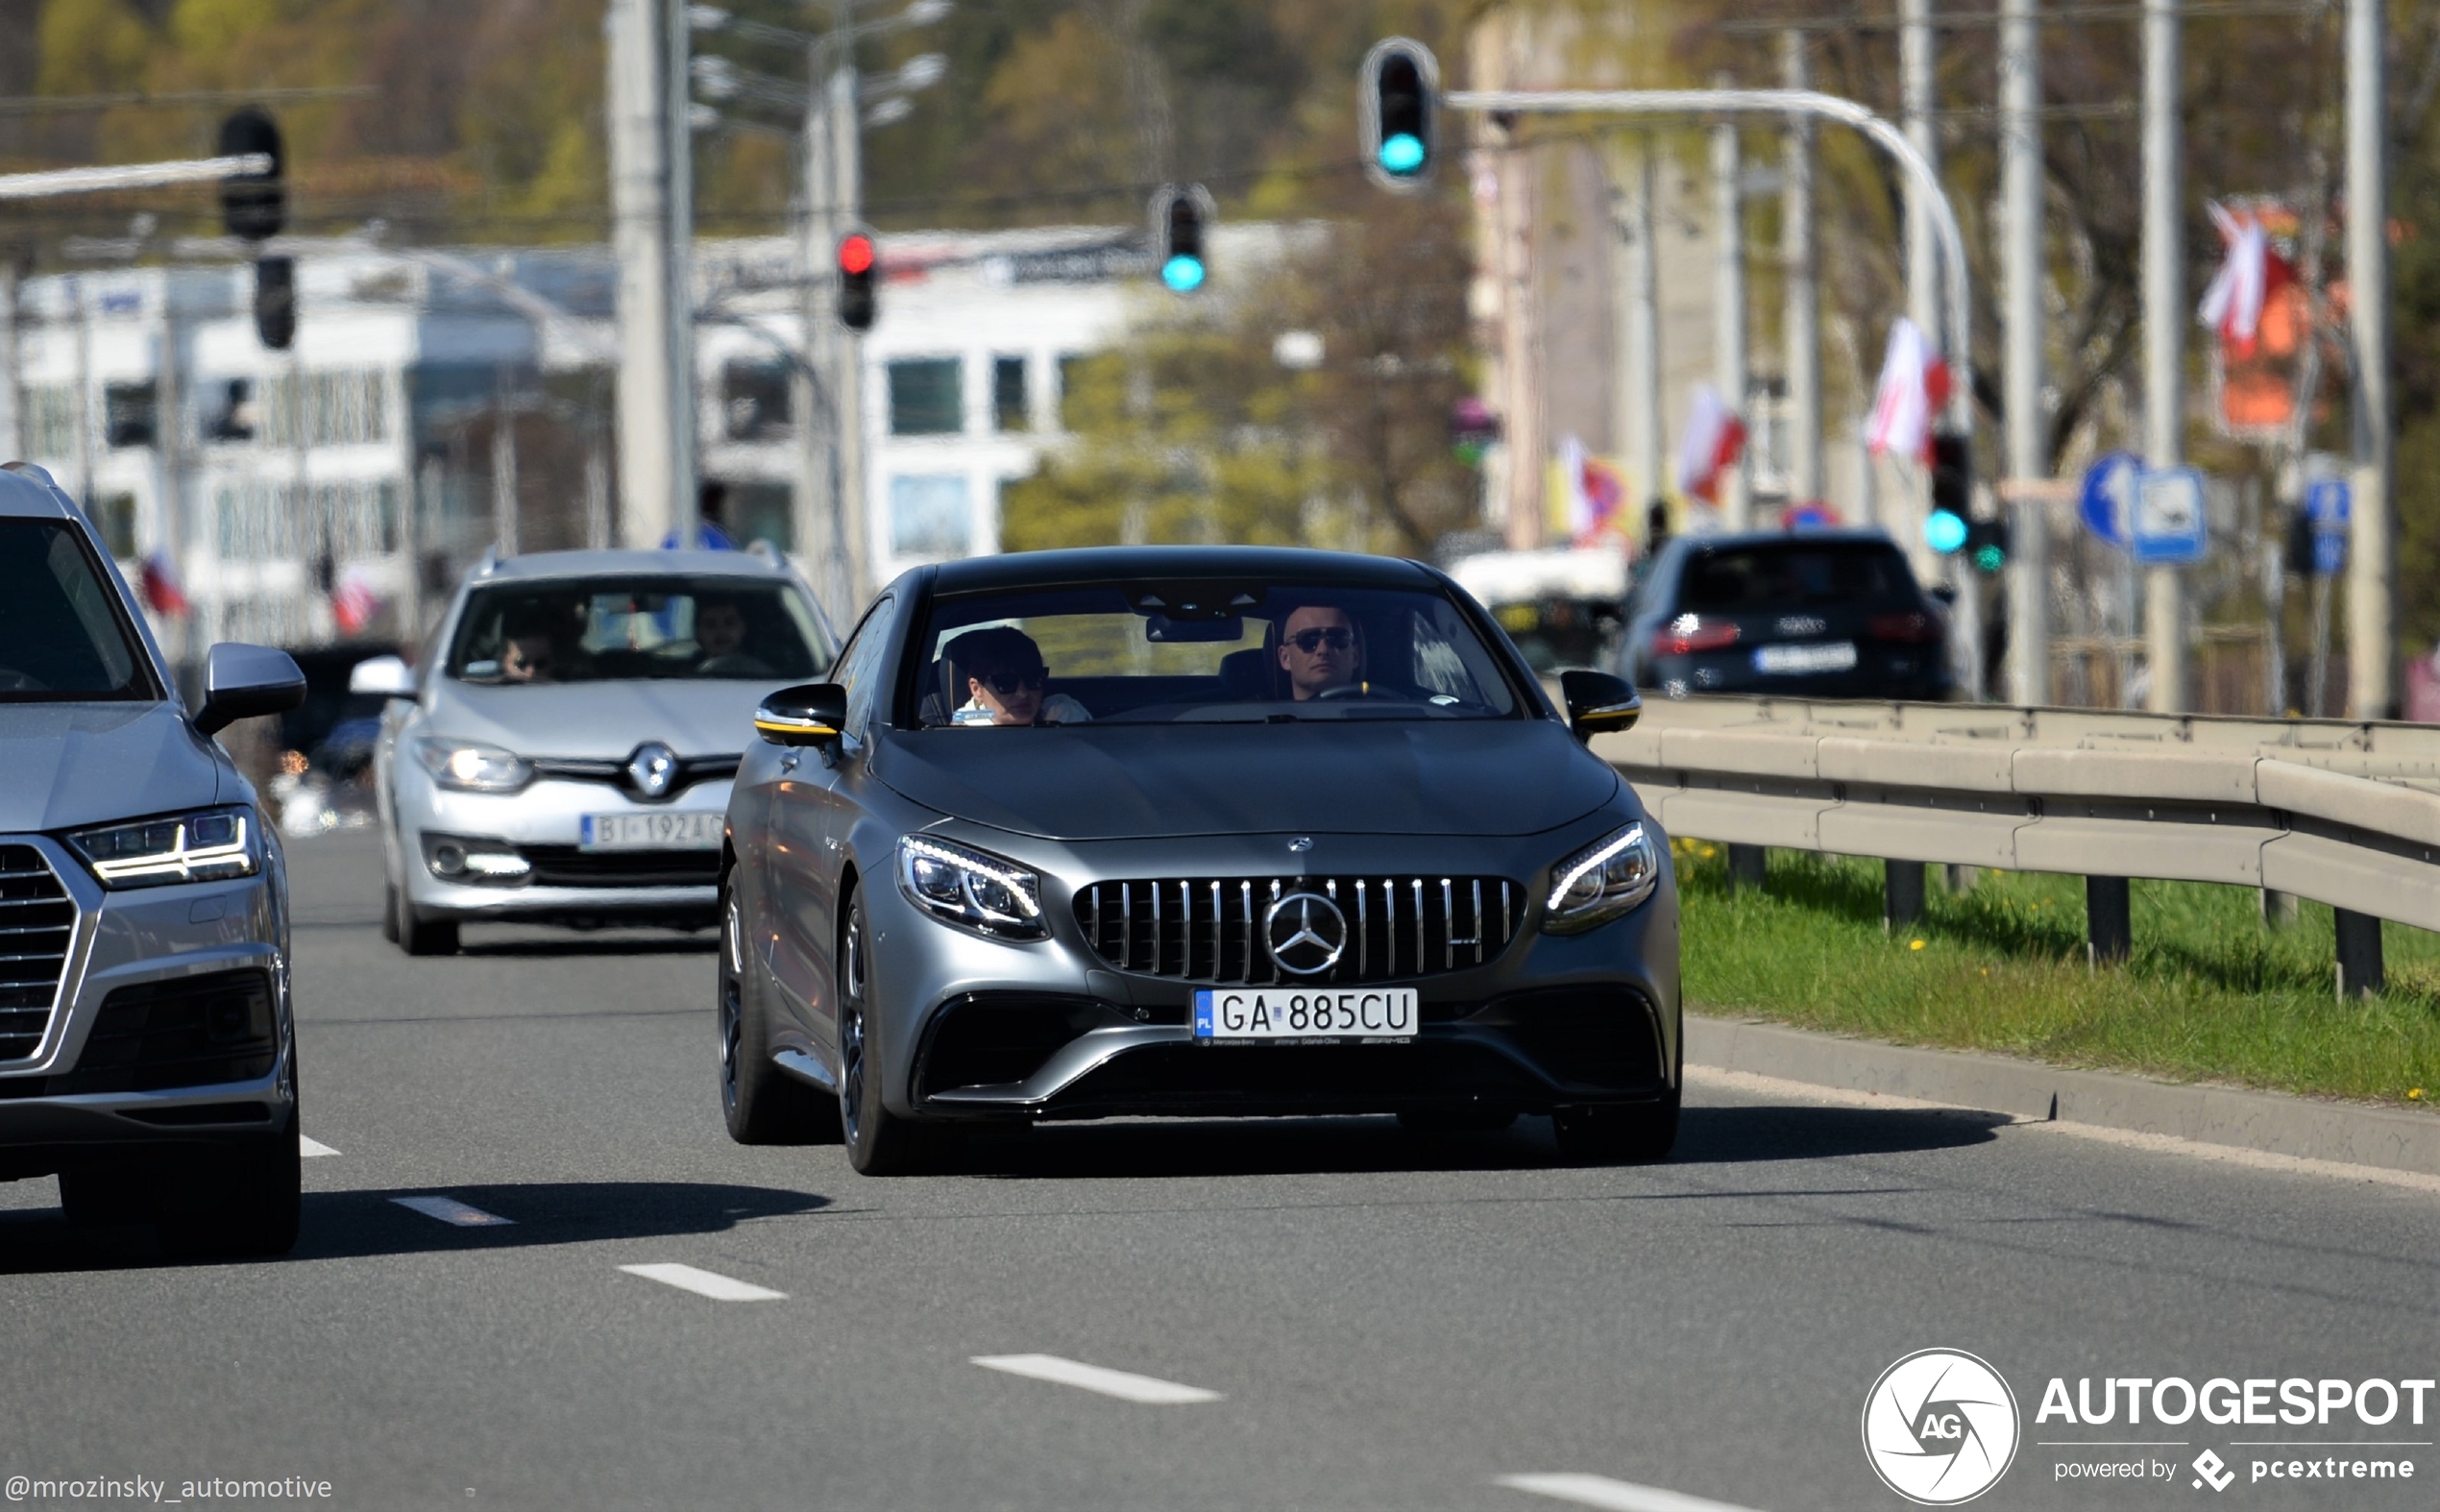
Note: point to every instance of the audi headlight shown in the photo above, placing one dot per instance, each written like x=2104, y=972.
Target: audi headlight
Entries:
x=971, y=888
x=471, y=766
x=1601, y=881
x=210, y=846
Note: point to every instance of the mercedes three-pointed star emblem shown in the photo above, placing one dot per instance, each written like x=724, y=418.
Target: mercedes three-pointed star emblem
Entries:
x=1306, y=934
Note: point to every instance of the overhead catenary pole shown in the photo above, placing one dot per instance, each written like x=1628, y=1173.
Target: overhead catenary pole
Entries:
x=847, y=386
x=2026, y=455
x=1728, y=312
x=1803, y=314
x=2372, y=579
x=11, y=437
x=2164, y=318
x=817, y=510
x=1638, y=423
x=1918, y=97
x=655, y=429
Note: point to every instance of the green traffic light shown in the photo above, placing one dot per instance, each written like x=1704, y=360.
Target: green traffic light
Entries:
x=1402, y=153
x=1990, y=558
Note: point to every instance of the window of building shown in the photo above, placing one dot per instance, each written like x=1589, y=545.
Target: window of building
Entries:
x=1009, y=410
x=49, y=416
x=229, y=410
x=116, y=518
x=926, y=398
x=345, y=408
x=1070, y=368
x=758, y=512
x=131, y=414
x=930, y=516
x=755, y=400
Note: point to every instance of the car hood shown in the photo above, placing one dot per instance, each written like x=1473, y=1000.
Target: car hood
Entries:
x=72, y=764
x=1115, y=782
x=601, y=721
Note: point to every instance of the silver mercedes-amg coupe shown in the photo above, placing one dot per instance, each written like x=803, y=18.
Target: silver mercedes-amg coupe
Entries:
x=1196, y=831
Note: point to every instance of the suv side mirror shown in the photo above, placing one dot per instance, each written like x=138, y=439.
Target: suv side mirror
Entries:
x=242, y=681
x=386, y=676
x=1599, y=703
x=809, y=714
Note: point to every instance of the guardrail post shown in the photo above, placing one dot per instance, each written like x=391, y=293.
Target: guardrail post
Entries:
x=2359, y=966
x=1902, y=893
x=2279, y=908
x=2109, y=921
x=1748, y=867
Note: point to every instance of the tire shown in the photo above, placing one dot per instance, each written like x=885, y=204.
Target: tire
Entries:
x=760, y=1103
x=1617, y=1133
x=228, y=1201
x=389, y=911
x=1456, y=1120
x=879, y=1142
x=422, y=937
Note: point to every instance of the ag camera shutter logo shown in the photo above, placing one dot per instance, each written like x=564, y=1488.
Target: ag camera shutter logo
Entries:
x=1940, y=1427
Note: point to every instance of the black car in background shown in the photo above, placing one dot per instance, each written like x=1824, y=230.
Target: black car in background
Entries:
x=1824, y=613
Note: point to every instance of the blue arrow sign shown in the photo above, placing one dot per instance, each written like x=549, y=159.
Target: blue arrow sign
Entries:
x=2109, y=496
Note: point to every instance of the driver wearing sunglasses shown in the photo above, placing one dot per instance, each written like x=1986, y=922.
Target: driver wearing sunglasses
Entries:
x=1320, y=650
x=1004, y=679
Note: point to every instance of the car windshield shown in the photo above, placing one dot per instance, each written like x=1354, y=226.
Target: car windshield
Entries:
x=1796, y=574
x=1204, y=653
x=601, y=629
x=63, y=636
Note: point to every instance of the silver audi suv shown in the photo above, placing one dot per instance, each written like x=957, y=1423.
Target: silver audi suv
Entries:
x=146, y=1054
x=563, y=754
x=1191, y=831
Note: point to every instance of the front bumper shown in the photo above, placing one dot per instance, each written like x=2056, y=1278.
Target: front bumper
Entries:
x=970, y=1027
x=543, y=822
x=171, y=1019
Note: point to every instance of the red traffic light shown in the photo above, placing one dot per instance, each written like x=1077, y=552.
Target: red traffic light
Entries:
x=855, y=253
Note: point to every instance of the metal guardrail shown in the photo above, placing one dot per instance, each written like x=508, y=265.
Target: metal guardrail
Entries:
x=2345, y=814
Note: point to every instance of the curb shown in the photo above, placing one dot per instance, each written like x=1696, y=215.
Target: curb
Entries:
x=2264, y=1121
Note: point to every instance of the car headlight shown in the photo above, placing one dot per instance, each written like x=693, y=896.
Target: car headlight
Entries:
x=1601, y=881
x=971, y=888
x=471, y=766
x=209, y=846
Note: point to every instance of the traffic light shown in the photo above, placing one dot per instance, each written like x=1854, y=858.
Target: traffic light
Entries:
x=1180, y=217
x=1945, y=530
x=254, y=205
x=859, y=261
x=1985, y=544
x=1399, y=87
x=276, y=302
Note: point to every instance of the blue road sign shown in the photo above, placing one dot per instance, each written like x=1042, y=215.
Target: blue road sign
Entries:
x=2328, y=503
x=2171, y=525
x=2109, y=496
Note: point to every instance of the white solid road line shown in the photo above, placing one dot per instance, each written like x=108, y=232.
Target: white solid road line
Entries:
x=1119, y=1383
x=448, y=1210
x=1611, y=1495
x=705, y=1284
x=309, y=1148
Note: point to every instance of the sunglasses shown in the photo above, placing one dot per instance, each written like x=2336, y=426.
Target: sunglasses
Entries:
x=1005, y=684
x=1309, y=642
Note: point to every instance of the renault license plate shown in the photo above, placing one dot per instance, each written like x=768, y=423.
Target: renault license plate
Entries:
x=1837, y=656
x=1365, y=1015
x=675, y=830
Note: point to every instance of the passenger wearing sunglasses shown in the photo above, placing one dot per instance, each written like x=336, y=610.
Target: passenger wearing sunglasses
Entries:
x=1004, y=680
x=1320, y=650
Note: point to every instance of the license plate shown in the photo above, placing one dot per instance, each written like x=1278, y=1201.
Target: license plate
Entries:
x=1368, y=1015
x=680, y=830
x=1835, y=656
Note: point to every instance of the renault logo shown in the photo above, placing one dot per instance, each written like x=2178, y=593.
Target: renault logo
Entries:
x=652, y=768
x=1306, y=934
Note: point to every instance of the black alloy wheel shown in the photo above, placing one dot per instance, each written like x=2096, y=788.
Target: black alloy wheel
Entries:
x=879, y=1142
x=760, y=1103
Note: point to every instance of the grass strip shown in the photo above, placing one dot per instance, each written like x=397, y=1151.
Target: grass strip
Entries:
x=2209, y=993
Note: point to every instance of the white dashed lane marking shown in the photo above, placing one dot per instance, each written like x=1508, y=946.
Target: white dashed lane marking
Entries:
x=309, y=1148
x=1611, y=1495
x=448, y=1210
x=1119, y=1383
x=705, y=1284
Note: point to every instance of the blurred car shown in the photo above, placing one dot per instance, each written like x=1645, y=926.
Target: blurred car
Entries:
x=1815, y=614
x=1562, y=608
x=565, y=755
x=147, y=1052
x=1302, y=834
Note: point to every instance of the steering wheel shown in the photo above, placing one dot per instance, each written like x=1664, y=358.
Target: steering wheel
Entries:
x=1358, y=690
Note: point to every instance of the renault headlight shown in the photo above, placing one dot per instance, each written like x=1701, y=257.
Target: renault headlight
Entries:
x=471, y=767
x=1601, y=881
x=209, y=846
x=971, y=888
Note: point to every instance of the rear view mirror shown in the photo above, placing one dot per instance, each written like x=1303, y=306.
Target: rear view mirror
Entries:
x=1164, y=630
x=384, y=676
x=241, y=682
x=810, y=713
x=1599, y=703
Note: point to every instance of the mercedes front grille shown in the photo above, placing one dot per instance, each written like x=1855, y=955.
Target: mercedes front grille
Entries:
x=1210, y=929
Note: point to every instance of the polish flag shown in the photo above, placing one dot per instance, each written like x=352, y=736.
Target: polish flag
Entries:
x=163, y=593
x=2249, y=276
x=1915, y=384
x=354, y=603
x=1714, y=438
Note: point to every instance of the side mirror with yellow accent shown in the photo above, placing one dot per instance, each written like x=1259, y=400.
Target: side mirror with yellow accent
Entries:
x=1599, y=703
x=810, y=713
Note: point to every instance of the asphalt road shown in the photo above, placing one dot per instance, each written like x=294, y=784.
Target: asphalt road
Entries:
x=1387, y=1320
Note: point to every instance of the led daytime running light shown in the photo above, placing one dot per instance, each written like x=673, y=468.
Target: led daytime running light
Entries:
x=182, y=861
x=1632, y=835
x=1020, y=884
